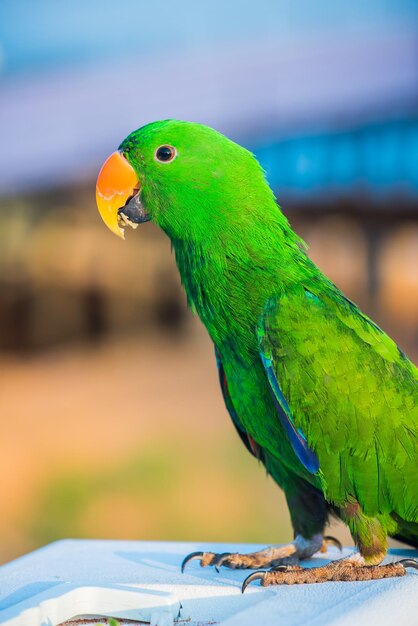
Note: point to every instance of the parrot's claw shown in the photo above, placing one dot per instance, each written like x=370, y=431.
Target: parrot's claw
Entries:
x=254, y=576
x=342, y=570
x=284, y=567
x=333, y=541
x=191, y=557
x=220, y=560
x=408, y=563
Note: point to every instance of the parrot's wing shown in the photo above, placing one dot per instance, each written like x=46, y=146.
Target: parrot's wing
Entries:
x=344, y=384
x=296, y=436
x=248, y=441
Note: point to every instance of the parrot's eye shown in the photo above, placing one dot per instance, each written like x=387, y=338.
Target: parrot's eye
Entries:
x=165, y=154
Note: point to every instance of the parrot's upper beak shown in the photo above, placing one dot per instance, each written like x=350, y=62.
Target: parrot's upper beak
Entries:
x=118, y=195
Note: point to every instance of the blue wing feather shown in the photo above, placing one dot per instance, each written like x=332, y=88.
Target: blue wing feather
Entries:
x=305, y=455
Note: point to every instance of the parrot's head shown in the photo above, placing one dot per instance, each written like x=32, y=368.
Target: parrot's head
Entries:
x=187, y=178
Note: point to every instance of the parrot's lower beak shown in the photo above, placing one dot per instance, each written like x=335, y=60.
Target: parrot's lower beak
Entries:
x=118, y=195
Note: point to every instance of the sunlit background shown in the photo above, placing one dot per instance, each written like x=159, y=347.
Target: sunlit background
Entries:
x=111, y=420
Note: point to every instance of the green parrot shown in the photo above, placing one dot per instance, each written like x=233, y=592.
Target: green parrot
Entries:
x=316, y=390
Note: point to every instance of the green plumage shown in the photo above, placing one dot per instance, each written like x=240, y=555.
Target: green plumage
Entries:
x=333, y=376
x=353, y=398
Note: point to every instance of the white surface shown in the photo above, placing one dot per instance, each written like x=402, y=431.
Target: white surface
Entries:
x=65, y=601
x=205, y=596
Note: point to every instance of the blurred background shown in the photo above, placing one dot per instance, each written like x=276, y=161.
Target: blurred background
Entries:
x=111, y=420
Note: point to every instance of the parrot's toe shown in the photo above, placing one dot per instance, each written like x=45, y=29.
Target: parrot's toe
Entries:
x=234, y=560
x=342, y=570
x=227, y=559
x=217, y=560
x=273, y=556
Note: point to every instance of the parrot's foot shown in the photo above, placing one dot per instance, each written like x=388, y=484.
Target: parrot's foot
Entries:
x=343, y=570
x=290, y=554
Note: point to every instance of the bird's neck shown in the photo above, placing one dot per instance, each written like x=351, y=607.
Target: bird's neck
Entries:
x=228, y=284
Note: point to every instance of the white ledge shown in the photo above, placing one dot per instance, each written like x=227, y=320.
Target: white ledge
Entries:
x=142, y=580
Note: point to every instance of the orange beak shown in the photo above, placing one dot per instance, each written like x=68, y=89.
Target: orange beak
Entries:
x=116, y=183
